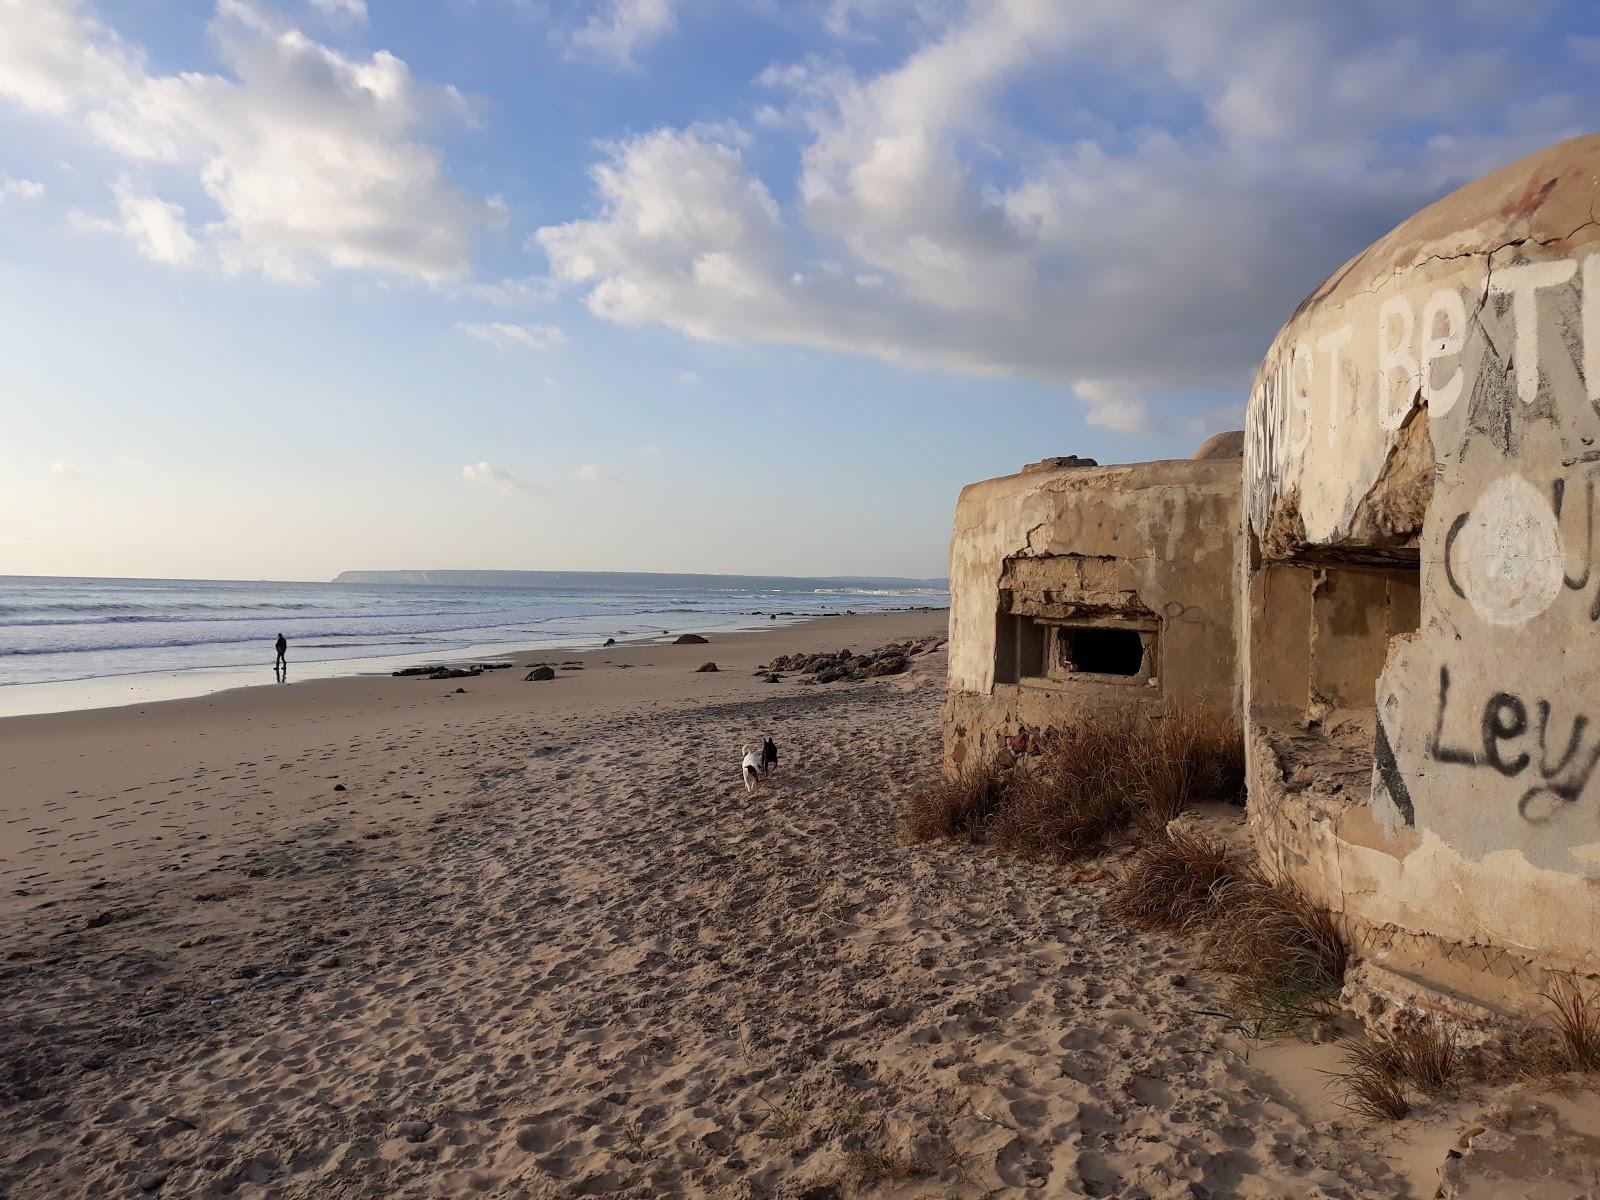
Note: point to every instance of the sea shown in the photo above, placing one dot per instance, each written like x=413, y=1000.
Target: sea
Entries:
x=73, y=643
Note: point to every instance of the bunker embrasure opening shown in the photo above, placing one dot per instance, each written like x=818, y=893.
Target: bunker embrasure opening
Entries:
x=1094, y=650
x=1055, y=651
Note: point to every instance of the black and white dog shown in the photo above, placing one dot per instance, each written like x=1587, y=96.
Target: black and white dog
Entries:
x=755, y=766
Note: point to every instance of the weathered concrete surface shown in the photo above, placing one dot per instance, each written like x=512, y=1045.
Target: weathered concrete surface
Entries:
x=1229, y=444
x=1147, y=550
x=1421, y=649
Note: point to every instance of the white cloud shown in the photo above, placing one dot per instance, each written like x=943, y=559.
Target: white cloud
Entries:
x=590, y=473
x=623, y=28
x=351, y=11
x=158, y=228
x=20, y=189
x=505, y=336
x=495, y=477
x=929, y=228
x=508, y=292
x=1113, y=406
x=688, y=377
x=682, y=224
x=650, y=451
x=64, y=468
x=310, y=157
x=54, y=56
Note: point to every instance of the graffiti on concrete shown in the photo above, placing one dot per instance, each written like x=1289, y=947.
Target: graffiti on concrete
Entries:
x=1512, y=553
x=1504, y=556
x=1521, y=742
x=1351, y=378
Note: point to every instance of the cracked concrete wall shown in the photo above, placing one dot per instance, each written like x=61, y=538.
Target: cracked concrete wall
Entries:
x=1149, y=542
x=1434, y=407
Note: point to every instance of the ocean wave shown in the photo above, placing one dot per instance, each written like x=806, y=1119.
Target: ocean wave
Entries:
x=850, y=591
x=242, y=614
x=75, y=606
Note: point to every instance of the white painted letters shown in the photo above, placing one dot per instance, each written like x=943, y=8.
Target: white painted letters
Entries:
x=1522, y=284
x=1394, y=354
x=1591, y=326
x=1444, y=308
x=1331, y=344
x=1302, y=373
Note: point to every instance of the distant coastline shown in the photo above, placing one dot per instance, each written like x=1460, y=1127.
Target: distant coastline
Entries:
x=662, y=580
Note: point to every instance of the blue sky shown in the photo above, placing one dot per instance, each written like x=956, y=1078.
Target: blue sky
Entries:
x=290, y=287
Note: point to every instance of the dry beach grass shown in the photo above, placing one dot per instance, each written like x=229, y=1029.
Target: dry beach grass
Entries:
x=1091, y=781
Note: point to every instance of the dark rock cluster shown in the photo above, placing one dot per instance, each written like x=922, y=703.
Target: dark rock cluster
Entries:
x=893, y=659
x=449, y=672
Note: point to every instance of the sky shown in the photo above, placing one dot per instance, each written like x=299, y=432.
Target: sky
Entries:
x=289, y=287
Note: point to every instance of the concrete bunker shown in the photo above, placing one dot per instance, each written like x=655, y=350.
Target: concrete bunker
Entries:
x=1421, y=653
x=1077, y=588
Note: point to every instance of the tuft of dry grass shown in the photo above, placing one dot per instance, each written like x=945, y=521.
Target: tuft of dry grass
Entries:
x=1058, y=817
x=635, y=1148
x=1374, y=1083
x=873, y=1164
x=1118, y=769
x=1173, y=880
x=1427, y=1052
x=785, y=1118
x=1577, y=1025
x=1269, y=928
x=960, y=808
x=1074, y=800
x=1288, y=954
x=1380, y=1067
x=1192, y=755
x=1093, y=780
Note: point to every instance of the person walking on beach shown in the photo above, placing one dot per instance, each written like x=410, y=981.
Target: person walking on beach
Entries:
x=280, y=667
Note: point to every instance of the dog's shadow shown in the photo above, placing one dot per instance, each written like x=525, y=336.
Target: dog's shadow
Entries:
x=773, y=783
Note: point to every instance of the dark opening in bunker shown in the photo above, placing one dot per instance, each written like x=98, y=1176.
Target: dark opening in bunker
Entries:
x=1321, y=631
x=1019, y=649
x=1321, y=634
x=1059, y=653
x=1099, y=651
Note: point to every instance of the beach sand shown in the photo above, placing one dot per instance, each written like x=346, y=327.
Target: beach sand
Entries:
x=543, y=944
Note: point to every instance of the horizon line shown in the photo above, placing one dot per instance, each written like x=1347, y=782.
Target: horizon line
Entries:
x=938, y=579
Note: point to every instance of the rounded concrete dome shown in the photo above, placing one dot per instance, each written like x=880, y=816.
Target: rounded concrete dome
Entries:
x=1229, y=444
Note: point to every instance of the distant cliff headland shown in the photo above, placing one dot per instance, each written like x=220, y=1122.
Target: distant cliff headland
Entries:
x=639, y=580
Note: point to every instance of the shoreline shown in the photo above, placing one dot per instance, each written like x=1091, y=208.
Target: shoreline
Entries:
x=156, y=687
